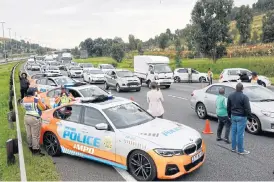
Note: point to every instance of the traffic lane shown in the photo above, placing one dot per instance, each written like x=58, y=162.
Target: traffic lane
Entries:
x=221, y=163
x=73, y=168
x=218, y=156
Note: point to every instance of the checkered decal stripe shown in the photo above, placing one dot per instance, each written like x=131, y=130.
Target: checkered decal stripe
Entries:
x=71, y=152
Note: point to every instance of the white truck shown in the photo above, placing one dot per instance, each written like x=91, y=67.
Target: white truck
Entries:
x=153, y=69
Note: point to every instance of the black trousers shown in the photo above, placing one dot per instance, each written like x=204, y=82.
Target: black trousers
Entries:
x=23, y=92
x=223, y=121
x=210, y=81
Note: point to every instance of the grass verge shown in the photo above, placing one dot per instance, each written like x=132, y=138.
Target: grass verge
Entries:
x=37, y=168
x=7, y=173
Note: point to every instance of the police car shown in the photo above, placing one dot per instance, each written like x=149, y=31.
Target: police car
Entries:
x=45, y=84
x=76, y=91
x=118, y=132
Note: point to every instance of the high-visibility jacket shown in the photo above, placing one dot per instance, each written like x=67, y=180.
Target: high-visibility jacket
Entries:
x=33, y=106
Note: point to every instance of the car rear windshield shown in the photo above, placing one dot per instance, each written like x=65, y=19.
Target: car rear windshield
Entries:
x=258, y=93
x=125, y=74
x=92, y=91
x=53, y=68
x=107, y=66
x=87, y=65
x=64, y=80
x=75, y=68
x=127, y=115
x=96, y=72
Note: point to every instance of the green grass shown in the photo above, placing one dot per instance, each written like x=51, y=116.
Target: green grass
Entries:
x=7, y=173
x=37, y=168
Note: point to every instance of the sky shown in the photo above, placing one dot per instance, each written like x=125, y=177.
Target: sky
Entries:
x=65, y=23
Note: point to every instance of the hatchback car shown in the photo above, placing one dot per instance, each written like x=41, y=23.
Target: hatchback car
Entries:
x=86, y=66
x=76, y=91
x=118, y=132
x=75, y=71
x=232, y=74
x=181, y=74
x=53, y=69
x=261, y=102
x=35, y=67
x=122, y=80
x=106, y=67
x=94, y=75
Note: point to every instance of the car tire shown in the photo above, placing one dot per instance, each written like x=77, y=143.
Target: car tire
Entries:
x=138, y=90
x=106, y=86
x=167, y=86
x=51, y=144
x=253, y=125
x=202, y=79
x=137, y=158
x=201, y=111
x=118, y=89
x=177, y=79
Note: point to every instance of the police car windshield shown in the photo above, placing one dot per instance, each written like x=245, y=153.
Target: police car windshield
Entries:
x=107, y=66
x=64, y=80
x=127, y=115
x=92, y=91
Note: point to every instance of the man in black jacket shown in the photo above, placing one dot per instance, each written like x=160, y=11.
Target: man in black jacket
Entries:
x=238, y=108
x=24, y=85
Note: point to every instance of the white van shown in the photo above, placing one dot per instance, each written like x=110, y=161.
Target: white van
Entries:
x=153, y=69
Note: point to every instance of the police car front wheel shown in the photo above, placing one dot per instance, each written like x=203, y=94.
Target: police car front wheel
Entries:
x=51, y=144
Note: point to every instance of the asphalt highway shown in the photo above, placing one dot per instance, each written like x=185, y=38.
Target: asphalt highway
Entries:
x=220, y=165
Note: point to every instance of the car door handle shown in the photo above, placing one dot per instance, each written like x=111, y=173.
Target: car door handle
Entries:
x=84, y=130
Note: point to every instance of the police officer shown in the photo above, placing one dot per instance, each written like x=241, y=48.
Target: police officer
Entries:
x=34, y=108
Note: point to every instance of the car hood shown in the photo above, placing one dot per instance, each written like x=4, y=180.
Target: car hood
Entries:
x=265, y=106
x=164, y=133
x=130, y=79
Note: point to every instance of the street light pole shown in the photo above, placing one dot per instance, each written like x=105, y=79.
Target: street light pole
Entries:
x=15, y=41
x=10, y=42
x=5, y=56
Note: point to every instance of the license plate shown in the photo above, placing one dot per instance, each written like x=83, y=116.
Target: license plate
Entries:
x=197, y=156
x=132, y=86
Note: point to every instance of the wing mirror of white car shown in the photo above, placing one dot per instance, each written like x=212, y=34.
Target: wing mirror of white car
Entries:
x=101, y=126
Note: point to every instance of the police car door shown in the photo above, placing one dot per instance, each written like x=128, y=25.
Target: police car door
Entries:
x=69, y=129
x=103, y=140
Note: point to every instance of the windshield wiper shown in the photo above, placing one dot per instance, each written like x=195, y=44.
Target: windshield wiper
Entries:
x=266, y=100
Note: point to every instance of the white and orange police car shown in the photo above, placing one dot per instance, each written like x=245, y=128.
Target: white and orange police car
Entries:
x=118, y=132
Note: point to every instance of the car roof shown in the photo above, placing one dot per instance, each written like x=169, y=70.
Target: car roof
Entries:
x=116, y=101
x=236, y=69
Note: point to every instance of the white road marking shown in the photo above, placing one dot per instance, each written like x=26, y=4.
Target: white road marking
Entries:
x=125, y=174
x=178, y=97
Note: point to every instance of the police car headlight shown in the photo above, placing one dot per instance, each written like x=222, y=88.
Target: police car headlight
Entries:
x=268, y=114
x=169, y=152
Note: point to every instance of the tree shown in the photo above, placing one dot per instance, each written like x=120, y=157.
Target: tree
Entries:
x=255, y=37
x=179, y=49
x=117, y=52
x=132, y=42
x=268, y=27
x=189, y=36
x=244, y=20
x=211, y=21
x=140, y=48
x=163, y=41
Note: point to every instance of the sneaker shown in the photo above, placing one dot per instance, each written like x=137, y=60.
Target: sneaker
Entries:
x=218, y=139
x=245, y=152
x=227, y=141
x=233, y=150
x=38, y=153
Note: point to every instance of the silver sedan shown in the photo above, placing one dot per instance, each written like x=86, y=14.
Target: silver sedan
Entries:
x=261, y=102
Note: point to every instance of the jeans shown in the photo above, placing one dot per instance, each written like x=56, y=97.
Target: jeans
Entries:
x=237, y=132
x=223, y=121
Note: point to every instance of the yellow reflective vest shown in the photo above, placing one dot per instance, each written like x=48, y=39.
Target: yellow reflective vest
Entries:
x=30, y=106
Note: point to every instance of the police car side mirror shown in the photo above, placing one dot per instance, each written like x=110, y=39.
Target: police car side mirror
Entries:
x=102, y=126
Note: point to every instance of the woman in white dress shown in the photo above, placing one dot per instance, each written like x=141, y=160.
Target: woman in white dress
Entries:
x=155, y=100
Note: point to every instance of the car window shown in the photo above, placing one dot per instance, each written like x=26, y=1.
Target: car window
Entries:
x=74, y=93
x=69, y=113
x=42, y=81
x=233, y=72
x=93, y=117
x=194, y=72
x=51, y=94
x=228, y=91
x=54, y=93
x=182, y=71
x=50, y=82
x=214, y=89
x=245, y=71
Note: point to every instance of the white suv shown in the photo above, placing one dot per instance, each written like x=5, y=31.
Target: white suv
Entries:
x=232, y=74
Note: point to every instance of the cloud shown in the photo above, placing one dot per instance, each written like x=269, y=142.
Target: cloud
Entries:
x=69, y=10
